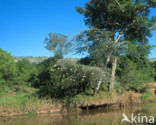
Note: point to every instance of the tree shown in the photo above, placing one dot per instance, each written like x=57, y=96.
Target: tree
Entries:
x=25, y=70
x=8, y=69
x=58, y=44
x=134, y=74
x=126, y=22
x=63, y=77
x=153, y=64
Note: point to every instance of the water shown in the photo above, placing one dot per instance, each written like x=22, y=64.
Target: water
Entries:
x=93, y=117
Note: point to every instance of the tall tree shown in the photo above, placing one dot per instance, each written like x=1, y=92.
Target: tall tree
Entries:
x=126, y=21
x=57, y=43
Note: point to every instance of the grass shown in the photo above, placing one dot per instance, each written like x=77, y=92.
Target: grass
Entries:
x=102, y=98
x=147, y=95
x=126, y=98
x=19, y=102
x=24, y=100
x=83, y=98
x=21, y=99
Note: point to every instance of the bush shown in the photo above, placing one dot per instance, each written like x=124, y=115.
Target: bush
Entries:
x=153, y=64
x=133, y=76
x=25, y=70
x=8, y=70
x=39, y=77
x=67, y=78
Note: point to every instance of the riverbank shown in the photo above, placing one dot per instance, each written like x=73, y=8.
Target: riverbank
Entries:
x=91, y=117
x=21, y=100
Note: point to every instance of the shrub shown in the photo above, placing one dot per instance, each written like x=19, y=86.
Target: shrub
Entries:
x=153, y=64
x=67, y=78
x=8, y=70
x=25, y=70
x=133, y=76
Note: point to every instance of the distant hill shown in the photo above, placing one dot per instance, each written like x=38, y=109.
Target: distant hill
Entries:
x=42, y=58
x=31, y=58
x=152, y=59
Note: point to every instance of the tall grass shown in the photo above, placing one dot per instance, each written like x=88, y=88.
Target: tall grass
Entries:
x=20, y=100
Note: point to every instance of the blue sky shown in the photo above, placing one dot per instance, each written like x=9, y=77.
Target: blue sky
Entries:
x=24, y=24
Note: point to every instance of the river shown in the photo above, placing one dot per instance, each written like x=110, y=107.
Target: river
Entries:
x=99, y=116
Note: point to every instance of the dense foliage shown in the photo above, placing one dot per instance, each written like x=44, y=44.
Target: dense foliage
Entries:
x=114, y=27
x=153, y=64
x=117, y=44
x=26, y=72
x=62, y=78
x=8, y=70
x=16, y=73
x=57, y=77
x=134, y=75
x=57, y=43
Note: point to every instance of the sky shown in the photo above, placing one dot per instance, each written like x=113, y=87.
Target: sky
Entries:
x=24, y=24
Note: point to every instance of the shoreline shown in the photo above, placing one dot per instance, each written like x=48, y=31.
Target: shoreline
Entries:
x=127, y=99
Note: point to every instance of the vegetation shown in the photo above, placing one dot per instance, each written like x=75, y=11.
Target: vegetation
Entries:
x=8, y=70
x=118, y=48
x=133, y=75
x=116, y=29
x=57, y=43
x=68, y=78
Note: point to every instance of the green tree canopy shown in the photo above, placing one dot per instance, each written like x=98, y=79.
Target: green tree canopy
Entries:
x=25, y=70
x=57, y=43
x=120, y=26
x=7, y=68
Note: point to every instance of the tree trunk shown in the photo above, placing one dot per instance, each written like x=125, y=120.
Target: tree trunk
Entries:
x=99, y=84
x=114, y=63
x=97, y=87
x=112, y=80
x=94, y=91
x=107, y=61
